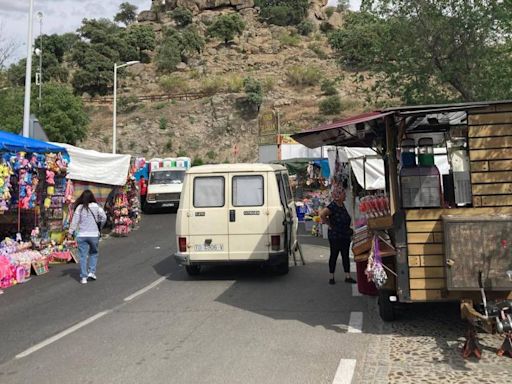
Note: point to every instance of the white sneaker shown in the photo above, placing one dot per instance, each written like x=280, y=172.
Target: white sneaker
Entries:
x=91, y=276
x=83, y=280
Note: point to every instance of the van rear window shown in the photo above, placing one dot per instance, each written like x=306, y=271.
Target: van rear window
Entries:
x=209, y=192
x=248, y=191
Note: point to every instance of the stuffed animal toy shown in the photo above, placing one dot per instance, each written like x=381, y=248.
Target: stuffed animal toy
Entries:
x=50, y=177
x=51, y=162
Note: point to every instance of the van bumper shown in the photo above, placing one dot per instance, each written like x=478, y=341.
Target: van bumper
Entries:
x=274, y=258
x=162, y=204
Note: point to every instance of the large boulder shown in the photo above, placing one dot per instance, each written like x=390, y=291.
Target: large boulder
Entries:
x=147, y=16
x=336, y=20
x=316, y=9
x=198, y=6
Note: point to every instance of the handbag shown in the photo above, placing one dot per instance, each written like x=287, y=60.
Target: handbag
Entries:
x=98, y=223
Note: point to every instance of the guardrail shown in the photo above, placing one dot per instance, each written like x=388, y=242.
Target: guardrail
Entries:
x=165, y=97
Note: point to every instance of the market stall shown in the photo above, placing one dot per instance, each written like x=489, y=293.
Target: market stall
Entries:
x=111, y=179
x=447, y=233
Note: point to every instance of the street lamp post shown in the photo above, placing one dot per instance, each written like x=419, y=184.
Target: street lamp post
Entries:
x=28, y=73
x=114, y=119
x=40, y=17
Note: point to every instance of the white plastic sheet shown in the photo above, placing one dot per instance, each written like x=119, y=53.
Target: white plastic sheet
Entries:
x=97, y=167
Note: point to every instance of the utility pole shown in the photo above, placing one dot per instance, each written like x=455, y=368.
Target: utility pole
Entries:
x=40, y=17
x=28, y=73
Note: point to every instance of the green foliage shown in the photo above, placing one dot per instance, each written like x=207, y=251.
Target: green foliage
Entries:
x=197, y=161
x=126, y=104
x=343, y=5
x=143, y=38
x=431, y=52
x=127, y=14
x=235, y=83
x=211, y=154
x=328, y=87
x=16, y=73
x=173, y=84
x=289, y=39
x=306, y=27
x=62, y=115
x=168, y=145
x=326, y=28
x=163, y=123
x=225, y=27
x=283, y=12
x=212, y=85
x=177, y=47
x=182, y=16
x=331, y=105
x=253, y=92
x=303, y=76
x=329, y=11
x=268, y=83
x=318, y=50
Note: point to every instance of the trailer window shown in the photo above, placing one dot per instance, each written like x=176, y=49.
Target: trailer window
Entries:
x=282, y=193
x=288, y=190
x=209, y=192
x=248, y=191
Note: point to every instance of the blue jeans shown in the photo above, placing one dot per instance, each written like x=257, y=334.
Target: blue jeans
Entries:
x=88, y=249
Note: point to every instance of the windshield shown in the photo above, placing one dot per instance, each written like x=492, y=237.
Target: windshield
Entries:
x=167, y=177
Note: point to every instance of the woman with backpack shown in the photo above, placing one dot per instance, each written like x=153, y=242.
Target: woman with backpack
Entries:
x=88, y=219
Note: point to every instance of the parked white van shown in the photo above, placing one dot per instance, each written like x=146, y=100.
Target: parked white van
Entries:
x=236, y=213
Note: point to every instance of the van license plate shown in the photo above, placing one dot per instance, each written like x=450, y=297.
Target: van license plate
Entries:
x=209, y=248
x=167, y=205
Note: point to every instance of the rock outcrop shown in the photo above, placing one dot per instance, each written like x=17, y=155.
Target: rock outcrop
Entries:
x=198, y=6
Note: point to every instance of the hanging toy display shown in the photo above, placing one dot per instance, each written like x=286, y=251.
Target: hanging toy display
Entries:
x=122, y=221
x=5, y=186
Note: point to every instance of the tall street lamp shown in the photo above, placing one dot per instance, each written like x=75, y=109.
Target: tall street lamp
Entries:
x=28, y=73
x=39, y=52
x=114, y=122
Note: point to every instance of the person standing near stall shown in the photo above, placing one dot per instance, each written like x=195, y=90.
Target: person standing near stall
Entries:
x=336, y=216
x=88, y=219
x=143, y=188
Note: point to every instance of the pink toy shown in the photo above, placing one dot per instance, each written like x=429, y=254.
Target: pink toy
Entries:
x=50, y=177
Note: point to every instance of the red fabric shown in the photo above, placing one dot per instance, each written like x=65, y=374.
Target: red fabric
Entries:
x=143, y=187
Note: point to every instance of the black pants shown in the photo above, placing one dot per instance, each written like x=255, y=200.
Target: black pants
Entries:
x=337, y=246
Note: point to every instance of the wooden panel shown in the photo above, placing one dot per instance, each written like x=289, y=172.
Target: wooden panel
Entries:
x=491, y=201
x=491, y=142
x=414, y=261
x=424, y=226
x=425, y=249
x=422, y=238
x=479, y=166
x=490, y=154
x=490, y=130
x=490, y=118
x=491, y=177
x=436, y=213
x=492, y=189
x=500, y=165
x=438, y=237
x=477, y=201
x=503, y=107
x=427, y=283
x=424, y=295
x=478, y=111
x=426, y=272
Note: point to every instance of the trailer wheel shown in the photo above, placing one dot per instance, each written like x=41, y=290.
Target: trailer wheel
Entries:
x=386, y=310
x=193, y=270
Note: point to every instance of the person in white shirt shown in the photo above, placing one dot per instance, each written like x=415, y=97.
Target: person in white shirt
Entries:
x=88, y=219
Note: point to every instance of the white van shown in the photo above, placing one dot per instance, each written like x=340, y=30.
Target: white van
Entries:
x=236, y=213
x=165, y=182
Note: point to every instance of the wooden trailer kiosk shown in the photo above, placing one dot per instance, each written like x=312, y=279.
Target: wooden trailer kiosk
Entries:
x=451, y=249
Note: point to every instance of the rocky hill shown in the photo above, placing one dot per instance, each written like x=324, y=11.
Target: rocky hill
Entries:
x=289, y=66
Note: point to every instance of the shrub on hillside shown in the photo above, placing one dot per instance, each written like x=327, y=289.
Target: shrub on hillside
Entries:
x=318, y=49
x=331, y=105
x=303, y=76
x=284, y=12
x=225, y=27
x=326, y=28
x=289, y=39
x=253, y=92
x=182, y=16
x=126, y=104
x=173, y=84
x=212, y=85
x=306, y=27
x=328, y=87
x=329, y=11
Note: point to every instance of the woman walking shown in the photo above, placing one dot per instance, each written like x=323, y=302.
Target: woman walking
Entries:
x=340, y=233
x=86, y=224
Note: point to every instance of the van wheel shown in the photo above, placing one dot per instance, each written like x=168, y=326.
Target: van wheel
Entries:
x=193, y=270
x=283, y=268
x=386, y=308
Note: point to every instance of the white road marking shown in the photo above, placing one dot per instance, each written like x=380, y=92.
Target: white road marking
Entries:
x=355, y=291
x=355, y=324
x=60, y=335
x=345, y=371
x=147, y=288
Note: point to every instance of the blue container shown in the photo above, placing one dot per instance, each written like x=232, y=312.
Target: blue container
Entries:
x=301, y=212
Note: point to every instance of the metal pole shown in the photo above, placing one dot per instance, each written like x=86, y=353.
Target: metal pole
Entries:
x=28, y=73
x=40, y=15
x=114, y=133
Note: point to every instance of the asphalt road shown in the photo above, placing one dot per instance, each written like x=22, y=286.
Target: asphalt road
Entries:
x=229, y=325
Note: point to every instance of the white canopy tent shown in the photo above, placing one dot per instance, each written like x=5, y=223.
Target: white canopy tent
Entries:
x=97, y=167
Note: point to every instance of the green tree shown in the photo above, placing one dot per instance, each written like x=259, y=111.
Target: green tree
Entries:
x=431, y=51
x=253, y=92
x=306, y=27
x=225, y=27
x=143, y=38
x=177, y=47
x=62, y=114
x=182, y=16
x=331, y=105
x=127, y=14
x=283, y=12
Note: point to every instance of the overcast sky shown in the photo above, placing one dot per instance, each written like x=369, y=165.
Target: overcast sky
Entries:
x=64, y=16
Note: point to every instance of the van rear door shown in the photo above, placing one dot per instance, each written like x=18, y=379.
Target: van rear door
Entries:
x=208, y=218
x=248, y=217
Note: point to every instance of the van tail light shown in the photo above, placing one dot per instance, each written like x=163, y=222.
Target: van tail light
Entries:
x=276, y=242
x=182, y=243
